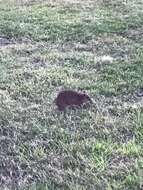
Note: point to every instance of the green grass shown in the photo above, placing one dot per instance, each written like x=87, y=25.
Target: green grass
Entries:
x=43, y=23
x=53, y=46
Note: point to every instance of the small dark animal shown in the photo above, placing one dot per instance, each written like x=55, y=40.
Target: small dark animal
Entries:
x=69, y=98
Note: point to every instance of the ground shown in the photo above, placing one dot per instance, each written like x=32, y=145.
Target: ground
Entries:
x=92, y=46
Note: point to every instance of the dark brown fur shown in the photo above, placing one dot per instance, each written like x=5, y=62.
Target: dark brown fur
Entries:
x=69, y=98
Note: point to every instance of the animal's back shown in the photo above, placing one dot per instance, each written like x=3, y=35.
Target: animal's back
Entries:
x=70, y=98
x=67, y=98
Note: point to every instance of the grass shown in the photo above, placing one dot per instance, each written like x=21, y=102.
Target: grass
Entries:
x=92, y=46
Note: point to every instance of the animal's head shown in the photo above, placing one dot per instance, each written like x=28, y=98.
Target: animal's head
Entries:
x=86, y=97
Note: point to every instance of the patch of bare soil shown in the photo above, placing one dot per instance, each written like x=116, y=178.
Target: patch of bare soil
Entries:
x=38, y=62
x=119, y=163
x=123, y=104
x=28, y=2
x=5, y=41
x=135, y=34
x=74, y=3
x=139, y=92
x=62, y=3
x=134, y=99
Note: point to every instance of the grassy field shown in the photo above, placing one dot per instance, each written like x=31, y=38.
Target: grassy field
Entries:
x=90, y=45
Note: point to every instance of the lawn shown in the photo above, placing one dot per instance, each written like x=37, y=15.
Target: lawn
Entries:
x=94, y=46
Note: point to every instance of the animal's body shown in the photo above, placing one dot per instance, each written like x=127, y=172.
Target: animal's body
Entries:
x=69, y=98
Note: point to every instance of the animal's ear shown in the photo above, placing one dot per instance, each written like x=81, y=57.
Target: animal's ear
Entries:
x=87, y=97
x=84, y=92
